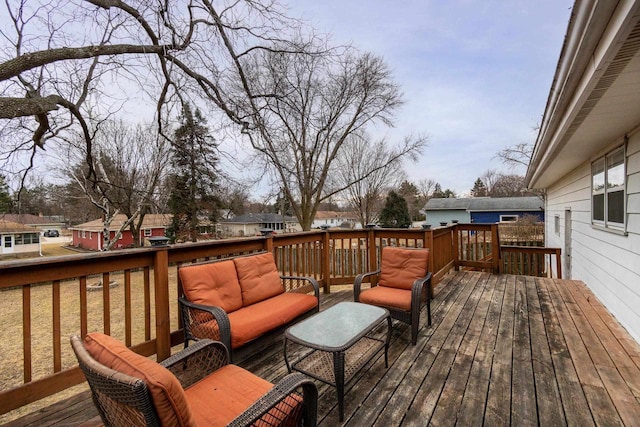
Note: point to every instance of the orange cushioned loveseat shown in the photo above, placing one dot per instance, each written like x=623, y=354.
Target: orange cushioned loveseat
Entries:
x=243, y=302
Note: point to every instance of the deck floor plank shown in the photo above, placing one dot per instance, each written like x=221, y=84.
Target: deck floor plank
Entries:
x=430, y=391
x=456, y=384
x=498, y=409
x=502, y=350
x=474, y=400
x=601, y=405
x=549, y=403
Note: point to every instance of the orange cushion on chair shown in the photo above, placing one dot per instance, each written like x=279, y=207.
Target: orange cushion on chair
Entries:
x=400, y=267
x=259, y=278
x=213, y=284
x=387, y=297
x=166, y=391
x=220, y=397
x=255, y=320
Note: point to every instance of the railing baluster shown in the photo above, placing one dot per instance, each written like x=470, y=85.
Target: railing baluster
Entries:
x=57, y=350
x=84, y=313
x=127, y=307
x=26, y=332
x=106, y=301
x=147, y=303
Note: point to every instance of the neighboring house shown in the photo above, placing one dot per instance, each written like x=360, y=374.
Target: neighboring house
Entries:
x=253, y=224
x=587, y=155
x=334, y=219
x=482, y=209
x=90, y=234
x=18, y=238
x=43, y=223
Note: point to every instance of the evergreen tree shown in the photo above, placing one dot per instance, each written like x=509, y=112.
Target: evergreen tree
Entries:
x=194, y=180
x=479, y=189
x=5, y=197
x=395, y=213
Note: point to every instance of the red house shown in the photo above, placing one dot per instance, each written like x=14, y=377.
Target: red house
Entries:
x=90, y=234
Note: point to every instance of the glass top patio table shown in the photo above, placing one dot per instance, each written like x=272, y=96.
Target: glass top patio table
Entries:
x=338, y=327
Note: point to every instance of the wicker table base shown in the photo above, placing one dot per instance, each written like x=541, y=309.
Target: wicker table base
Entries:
x=337, y=365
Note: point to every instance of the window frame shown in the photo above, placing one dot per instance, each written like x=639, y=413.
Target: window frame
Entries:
x=602, y=165
x=147, y=232
x=515, y=218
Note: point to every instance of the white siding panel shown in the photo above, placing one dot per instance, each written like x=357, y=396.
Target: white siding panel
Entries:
x=608, y=263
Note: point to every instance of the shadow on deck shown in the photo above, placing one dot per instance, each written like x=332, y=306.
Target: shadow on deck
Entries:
x=502, y=350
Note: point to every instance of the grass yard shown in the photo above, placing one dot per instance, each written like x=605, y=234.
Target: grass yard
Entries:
x=11, y=345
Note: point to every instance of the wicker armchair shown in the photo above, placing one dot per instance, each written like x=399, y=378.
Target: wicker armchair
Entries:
x=404, y=284
x=126, y=400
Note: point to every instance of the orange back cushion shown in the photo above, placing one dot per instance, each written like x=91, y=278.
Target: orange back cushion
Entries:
x=214, y=284
x=259, y=277
x=401, y=267
x=166, y=392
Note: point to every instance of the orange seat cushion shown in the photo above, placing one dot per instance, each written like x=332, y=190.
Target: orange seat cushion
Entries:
x=168, y=397
x=213, y=284
x=400, y=267
x=255, y=320
x=220, y=397
x=259, y=278
x=385, y=296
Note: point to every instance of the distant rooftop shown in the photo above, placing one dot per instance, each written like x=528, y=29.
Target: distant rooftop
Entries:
x=485, y=204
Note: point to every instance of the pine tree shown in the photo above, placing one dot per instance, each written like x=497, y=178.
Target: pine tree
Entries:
x=5, y=197
x=395, y=213
x=479, y=189
x=194, y=181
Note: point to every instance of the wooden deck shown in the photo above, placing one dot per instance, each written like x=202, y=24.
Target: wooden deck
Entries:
x=502, y=350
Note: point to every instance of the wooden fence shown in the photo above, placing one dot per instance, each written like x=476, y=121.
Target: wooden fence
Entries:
x=50, y=298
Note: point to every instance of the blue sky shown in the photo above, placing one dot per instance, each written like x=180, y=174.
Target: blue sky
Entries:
x=475, y=74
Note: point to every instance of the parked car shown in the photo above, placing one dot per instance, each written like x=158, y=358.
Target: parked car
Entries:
x=51, y=233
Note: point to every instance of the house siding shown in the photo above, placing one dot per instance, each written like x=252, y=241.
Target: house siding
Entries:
x=608, y=263
x=492, y=217
x=434, y=218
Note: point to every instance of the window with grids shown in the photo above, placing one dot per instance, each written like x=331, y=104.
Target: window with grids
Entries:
x=147, y=232
x=608, y=189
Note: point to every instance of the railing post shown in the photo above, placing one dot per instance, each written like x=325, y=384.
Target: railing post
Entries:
x=268, y=244
x=456, y=248
x=326, y=262
x=559, y=262
x=373, y=255
x=495, y=248
x=161, y=286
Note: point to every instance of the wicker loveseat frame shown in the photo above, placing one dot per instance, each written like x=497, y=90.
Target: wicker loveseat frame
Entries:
x=123, y=400
x=213, y=322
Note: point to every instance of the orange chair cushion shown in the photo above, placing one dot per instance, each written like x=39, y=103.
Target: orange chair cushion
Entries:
x=257, y=319
x=214, y=284
x=259, y=278
x=168, y=397
x=220, y=397
x=385, y=296
x=400, y=267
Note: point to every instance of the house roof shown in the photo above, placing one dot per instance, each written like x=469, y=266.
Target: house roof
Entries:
x=149, y=221
x=595, y=96
x=29, y=219
x=486, y=204
x=258, y=218
x=14, y=227
x=334, y=214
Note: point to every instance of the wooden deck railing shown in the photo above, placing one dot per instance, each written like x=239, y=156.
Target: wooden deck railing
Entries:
x=530, y=261
x=52, y=298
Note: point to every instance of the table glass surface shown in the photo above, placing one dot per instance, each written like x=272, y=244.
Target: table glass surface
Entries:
x=338, y=325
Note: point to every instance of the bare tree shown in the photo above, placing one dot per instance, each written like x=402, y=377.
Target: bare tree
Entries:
x=316, y=103
x=489, y=179
x=367, y=170
x=130, y=165
x=516, y=155
x=67, y=65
